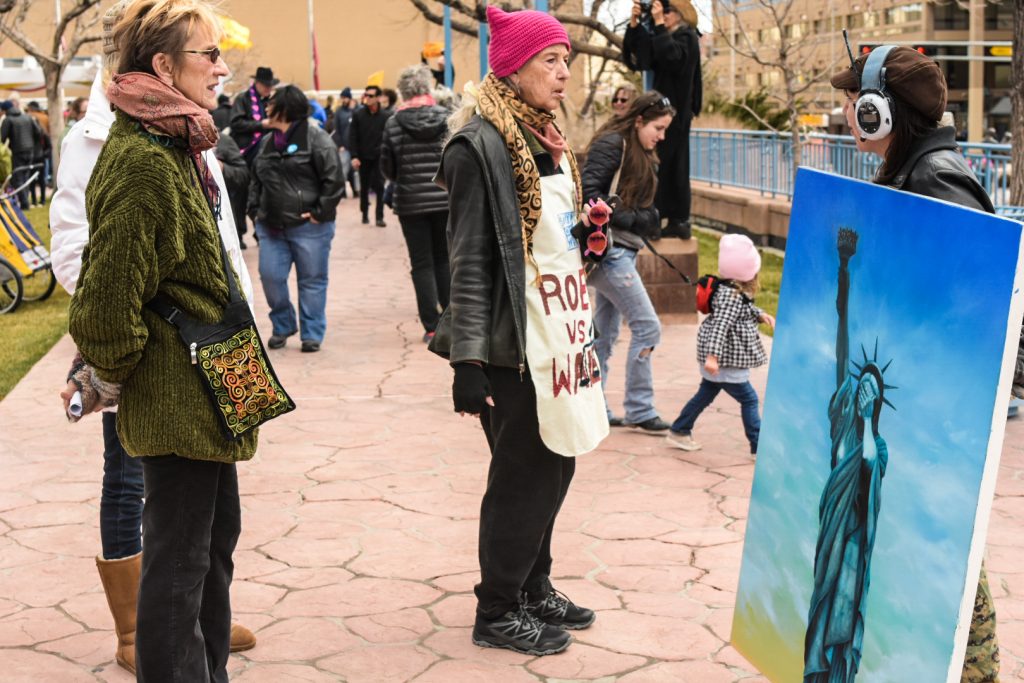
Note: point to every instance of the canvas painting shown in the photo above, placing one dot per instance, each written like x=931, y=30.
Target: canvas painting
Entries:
x=883, y=421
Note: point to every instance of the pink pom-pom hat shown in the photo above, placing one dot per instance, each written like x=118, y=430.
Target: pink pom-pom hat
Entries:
x=517, y=36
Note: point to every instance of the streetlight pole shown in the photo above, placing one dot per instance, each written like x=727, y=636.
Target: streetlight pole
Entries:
x=312, y=45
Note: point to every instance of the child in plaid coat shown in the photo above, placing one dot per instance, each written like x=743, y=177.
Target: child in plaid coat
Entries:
x=728, y=343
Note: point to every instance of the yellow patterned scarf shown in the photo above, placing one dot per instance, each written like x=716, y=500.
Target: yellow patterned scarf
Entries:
x=500, y=106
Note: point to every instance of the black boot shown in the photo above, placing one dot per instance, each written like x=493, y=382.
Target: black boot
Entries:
x=677, y=228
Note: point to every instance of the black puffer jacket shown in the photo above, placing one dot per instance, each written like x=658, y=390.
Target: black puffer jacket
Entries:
x=410, y=155
x=304, y=178
x=20, y=131
x=628, y=223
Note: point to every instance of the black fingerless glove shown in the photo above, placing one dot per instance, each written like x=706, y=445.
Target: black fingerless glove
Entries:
x=469, y=388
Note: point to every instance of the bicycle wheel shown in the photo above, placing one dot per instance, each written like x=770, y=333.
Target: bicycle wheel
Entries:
x=10, y=287
x=39, y=285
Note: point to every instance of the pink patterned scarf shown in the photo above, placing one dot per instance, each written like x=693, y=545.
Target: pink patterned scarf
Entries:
x=163, y=110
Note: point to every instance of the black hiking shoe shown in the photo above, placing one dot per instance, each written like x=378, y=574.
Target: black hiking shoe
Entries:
x=520, y=631
x=557, y=609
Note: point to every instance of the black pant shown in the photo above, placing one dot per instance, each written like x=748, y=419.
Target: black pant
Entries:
x=427, y=241
x=191, y=524
x=370, y=178
x=21, y=165
x=673, y=194
x=526, y=484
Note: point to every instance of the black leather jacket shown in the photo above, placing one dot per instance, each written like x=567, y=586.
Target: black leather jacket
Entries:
x=934, y=168
x=628, y=223
x=486, y=318
x=410, y=155
x=305, y=177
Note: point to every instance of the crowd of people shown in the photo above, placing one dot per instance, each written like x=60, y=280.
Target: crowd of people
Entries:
x=502, y=224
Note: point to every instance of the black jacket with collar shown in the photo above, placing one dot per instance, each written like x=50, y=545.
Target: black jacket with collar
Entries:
x=411, y=155
x=486, y=318
x=304, y=178
x=365, y=131
x=935, y=168
x=629, y=224
x=244, y=127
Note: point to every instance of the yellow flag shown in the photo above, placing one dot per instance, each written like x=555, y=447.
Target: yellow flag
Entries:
x=376, y=78
x=236, y=36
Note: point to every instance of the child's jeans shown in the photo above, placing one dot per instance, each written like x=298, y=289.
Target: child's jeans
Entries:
x=706, y=393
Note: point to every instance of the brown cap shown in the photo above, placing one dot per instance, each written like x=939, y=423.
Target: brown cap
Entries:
x=914, y=78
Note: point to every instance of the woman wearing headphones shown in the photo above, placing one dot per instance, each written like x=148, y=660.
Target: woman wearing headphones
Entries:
x=895, y=113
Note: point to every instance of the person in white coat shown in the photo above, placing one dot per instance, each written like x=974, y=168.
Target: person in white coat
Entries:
x=121, y=502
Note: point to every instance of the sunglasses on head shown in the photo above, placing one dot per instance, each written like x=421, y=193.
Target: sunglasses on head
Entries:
x=213, y=53
x=663, y=103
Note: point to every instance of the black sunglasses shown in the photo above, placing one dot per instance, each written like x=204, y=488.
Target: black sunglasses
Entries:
x=213, y=53
x=620, y=100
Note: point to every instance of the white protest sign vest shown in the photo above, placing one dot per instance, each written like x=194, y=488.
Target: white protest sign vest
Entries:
x=559, y=348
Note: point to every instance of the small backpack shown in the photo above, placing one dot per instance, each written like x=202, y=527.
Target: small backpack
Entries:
x=707, y=285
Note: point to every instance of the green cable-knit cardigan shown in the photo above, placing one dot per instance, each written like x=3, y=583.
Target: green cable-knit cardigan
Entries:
x=151, y=231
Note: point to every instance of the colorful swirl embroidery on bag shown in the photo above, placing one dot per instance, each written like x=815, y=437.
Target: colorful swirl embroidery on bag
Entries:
x=244, y=387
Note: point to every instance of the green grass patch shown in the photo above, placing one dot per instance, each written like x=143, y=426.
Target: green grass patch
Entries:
x=771, y=271
x=35, y=326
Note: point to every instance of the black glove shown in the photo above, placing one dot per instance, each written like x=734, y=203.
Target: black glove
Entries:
x=469, y=388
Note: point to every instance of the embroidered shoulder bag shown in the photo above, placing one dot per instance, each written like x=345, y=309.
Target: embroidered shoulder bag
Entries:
x=231, y=361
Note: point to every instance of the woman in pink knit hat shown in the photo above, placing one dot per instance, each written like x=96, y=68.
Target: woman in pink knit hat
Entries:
x=728, y=343
x=518, y=329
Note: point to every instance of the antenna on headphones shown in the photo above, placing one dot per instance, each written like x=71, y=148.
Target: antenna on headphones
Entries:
x=849, y=50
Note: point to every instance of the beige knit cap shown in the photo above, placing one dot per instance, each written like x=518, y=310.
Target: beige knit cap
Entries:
x=110, y=19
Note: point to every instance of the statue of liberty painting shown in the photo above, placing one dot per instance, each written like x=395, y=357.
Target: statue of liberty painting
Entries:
x=848, y=511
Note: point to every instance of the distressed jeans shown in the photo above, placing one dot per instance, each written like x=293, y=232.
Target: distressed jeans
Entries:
x=619, y=293
x=308, y=246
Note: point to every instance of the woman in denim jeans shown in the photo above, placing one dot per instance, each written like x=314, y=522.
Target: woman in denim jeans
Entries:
x=293, y=199
x=622, y=161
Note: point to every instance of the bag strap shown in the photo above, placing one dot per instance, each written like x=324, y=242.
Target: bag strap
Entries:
x=647, y=243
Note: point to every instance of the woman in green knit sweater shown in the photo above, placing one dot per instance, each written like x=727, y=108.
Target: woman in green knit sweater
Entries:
x=151, y=205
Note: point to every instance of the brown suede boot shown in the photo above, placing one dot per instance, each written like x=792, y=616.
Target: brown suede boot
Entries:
x=120, y=580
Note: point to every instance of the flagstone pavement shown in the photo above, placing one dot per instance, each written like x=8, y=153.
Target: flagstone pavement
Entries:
x=358, y=552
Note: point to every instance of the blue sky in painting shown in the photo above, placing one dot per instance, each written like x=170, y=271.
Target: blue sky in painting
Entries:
x=938, y=309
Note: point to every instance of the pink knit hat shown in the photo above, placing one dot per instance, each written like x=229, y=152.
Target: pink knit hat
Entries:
x=517, y=36
x=738, y=258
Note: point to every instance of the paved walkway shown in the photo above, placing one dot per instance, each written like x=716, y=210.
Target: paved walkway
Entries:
x=358, y=554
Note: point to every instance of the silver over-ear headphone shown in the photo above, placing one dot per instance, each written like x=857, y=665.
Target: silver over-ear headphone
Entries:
x=874, y=106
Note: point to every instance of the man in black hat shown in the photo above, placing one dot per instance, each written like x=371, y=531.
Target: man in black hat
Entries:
x=249, y=113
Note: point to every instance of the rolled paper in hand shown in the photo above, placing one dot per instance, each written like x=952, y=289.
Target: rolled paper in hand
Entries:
x=75, y=405
x=598, y=212
x=597, y=242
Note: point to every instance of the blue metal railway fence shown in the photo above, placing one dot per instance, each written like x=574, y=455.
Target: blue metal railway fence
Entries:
x=762, y=161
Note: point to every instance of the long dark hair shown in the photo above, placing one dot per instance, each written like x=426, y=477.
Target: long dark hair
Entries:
x=638, y=179
x=908, y=124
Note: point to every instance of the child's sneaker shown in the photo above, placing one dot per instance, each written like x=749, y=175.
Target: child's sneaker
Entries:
x=683, y=441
